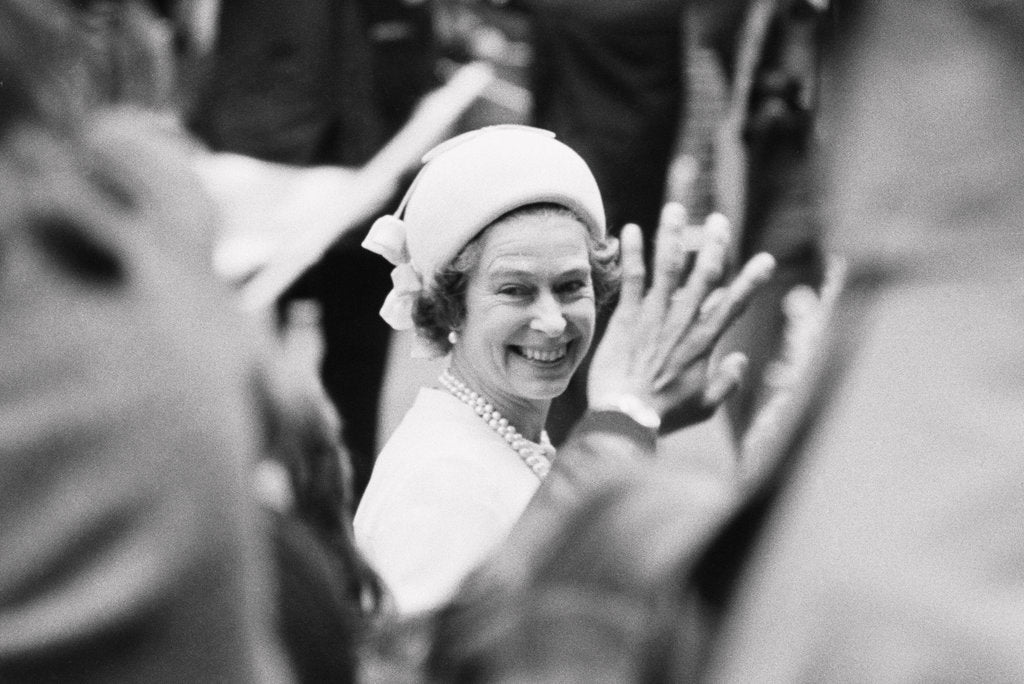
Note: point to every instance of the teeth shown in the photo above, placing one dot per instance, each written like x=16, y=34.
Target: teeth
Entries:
x=544, y=354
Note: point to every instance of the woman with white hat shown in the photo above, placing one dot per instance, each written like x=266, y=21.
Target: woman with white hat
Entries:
x=501, y=260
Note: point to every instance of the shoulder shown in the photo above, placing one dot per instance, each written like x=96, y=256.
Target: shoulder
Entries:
x=438, y=430
x=443, y=458
x=445, y=490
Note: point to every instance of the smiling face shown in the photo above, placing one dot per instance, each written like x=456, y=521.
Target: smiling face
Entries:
x=529, y=310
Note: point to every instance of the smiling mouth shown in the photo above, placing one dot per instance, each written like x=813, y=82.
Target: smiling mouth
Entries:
x=542, y=355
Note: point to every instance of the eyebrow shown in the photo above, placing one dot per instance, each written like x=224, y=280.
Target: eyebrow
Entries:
x=511, y=272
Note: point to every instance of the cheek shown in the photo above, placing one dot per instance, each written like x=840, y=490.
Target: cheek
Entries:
x=495, y=326
x=583, y=316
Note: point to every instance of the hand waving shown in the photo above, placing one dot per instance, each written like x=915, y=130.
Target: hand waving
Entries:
x=658, y=345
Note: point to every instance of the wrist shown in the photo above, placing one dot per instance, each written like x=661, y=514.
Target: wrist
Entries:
x=619, y=436
x=632, y=406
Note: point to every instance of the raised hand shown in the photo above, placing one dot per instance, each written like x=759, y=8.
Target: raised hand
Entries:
x=658, y=345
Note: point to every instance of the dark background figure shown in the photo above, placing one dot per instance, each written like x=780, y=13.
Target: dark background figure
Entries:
x=323, y=82
x=611, y=79
x=770, y=56
x=608, y=79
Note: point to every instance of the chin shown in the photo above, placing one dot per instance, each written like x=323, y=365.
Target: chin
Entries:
x=546, y=389
x=555, y=392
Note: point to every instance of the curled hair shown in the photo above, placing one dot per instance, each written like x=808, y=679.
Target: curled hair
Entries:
x=441, y=307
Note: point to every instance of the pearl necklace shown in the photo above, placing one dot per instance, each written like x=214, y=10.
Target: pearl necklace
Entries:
x=537, y=456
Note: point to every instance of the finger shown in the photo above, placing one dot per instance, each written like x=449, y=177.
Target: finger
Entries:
x=669, y=257
x=631, y=258
x=711, y=303
x=800, y=302
x=612, y=358
x=755, y=273
x=710, y=265
x=707, y=270
x=725, y=378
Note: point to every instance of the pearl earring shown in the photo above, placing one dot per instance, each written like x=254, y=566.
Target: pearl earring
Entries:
x=453, y=337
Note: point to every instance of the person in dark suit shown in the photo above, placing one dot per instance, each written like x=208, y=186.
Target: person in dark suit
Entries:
x=323, y=82
x=608, y=79
x=611, y=79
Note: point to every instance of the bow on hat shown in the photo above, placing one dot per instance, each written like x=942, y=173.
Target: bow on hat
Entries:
x=387, y=238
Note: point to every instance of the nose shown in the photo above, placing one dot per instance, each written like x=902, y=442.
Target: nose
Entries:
x=547, y=316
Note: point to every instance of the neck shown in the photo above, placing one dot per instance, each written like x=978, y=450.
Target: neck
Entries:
x=527, y=415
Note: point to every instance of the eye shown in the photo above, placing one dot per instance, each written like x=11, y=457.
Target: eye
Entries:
x=513, y=290
x=574, y=286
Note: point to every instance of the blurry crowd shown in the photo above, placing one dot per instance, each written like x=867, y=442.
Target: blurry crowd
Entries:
x=179, y=471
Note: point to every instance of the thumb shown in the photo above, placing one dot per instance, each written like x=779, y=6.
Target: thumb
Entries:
x=725, y=378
